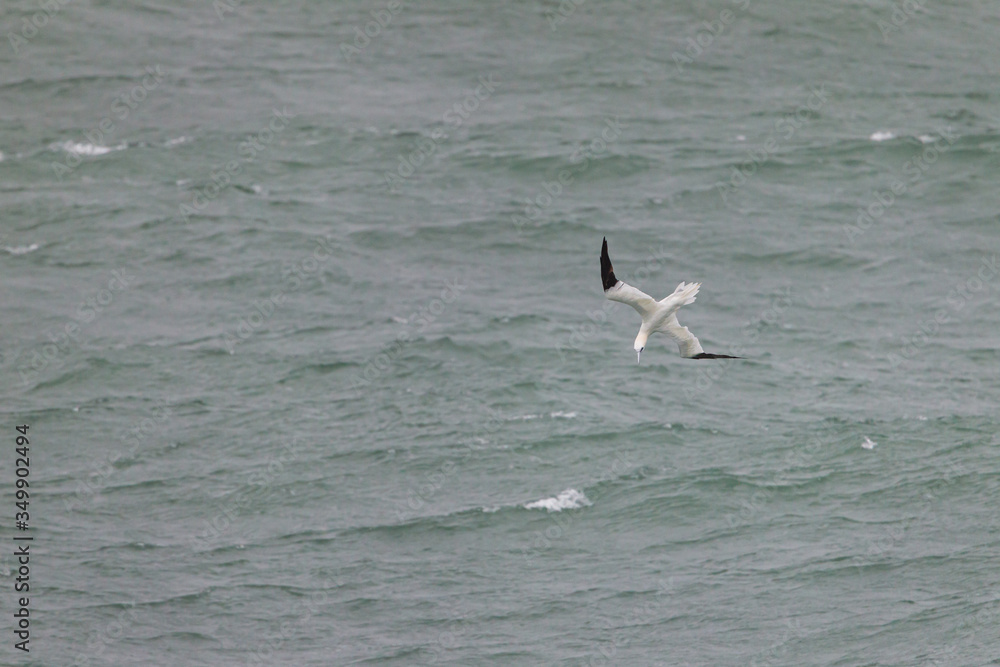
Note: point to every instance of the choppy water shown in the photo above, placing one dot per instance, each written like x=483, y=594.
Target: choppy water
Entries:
x=308, y=329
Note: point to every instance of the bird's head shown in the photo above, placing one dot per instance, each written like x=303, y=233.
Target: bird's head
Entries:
x=640, y=344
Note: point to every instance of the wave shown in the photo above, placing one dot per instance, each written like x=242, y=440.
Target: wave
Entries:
x=568, y=499
x=88, y=149
x=21, y=249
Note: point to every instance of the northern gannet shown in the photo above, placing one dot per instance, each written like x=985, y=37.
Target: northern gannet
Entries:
x=657, y=316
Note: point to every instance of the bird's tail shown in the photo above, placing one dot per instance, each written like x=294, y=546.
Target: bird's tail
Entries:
x=684, y=294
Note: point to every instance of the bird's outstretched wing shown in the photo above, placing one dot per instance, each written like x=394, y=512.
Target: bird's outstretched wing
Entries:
x=686, y=341
x=684, y=295
x=616, y=290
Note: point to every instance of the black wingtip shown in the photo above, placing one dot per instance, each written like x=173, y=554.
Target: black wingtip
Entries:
x=706, y=355
x=607, y=271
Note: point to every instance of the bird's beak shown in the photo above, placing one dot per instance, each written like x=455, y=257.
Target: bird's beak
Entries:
x=639, y=354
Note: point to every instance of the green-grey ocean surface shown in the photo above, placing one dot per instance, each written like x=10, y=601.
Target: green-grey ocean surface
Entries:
x=308, y=330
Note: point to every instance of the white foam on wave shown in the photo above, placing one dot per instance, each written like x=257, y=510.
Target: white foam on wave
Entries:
x=570, y=499
x=21, y=249
x=170, y=143
x=868, y=443
x=90, y=149
x=882, y=135
x=559, y=414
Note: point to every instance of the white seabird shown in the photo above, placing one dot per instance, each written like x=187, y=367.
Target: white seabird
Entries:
x=657, y=316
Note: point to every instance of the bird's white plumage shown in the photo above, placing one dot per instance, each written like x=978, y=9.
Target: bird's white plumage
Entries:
x=642, y=302
x=686, y=341
x=657, y=316
x=660, y=315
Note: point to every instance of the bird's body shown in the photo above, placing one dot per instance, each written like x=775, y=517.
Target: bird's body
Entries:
x=657, y=316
